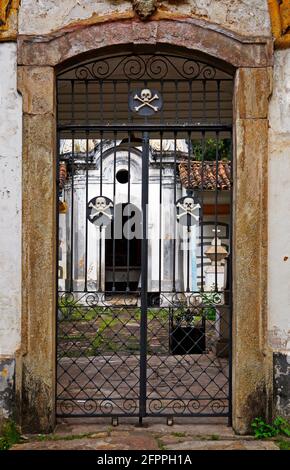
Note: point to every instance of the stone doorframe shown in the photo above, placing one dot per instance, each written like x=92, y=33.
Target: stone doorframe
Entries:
x=38, y=60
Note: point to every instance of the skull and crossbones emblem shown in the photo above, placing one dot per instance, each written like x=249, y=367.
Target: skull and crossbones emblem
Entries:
x=147, y=101
x=100, y=210
x=186, y=208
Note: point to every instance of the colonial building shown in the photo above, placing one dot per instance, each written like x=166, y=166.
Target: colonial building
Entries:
x=144, y=215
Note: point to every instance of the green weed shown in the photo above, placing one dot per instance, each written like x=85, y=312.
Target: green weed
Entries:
x=9, y=436
x=263, y=430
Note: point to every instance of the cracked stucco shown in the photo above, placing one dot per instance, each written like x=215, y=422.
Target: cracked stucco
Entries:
x=247, y=17
x=279, y=209
x=10, y=203
x=7, y=379
x=282, y=384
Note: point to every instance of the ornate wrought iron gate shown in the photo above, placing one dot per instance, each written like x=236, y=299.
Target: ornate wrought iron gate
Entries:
x=144, y=233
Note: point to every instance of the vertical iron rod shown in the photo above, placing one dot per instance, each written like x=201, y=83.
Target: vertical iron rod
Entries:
x=129, y=203
x=144, y=277
x=190, y=101
x=160, y=213
x=176, y=101
x=216, y=208
x=101, y=101
x=101, y=193
x=174, y=215
x=219, y=99
x=189, y=191
x=87, y=200
x=230, y=274
x=202, y=210
x=72, y=217
x=100, y=258
x=87, y=101
x=113, y=230
x=204, y=100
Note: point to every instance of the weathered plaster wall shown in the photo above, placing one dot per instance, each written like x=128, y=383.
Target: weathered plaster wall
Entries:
x=247, y=17
x=279, y=231
x=279, y=207
x=10, y=219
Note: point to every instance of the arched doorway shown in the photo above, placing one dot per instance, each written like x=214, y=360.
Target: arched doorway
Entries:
x=123, y=254
x=153, y=130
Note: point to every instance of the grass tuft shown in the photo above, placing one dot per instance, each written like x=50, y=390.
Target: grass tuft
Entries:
x=9, y=435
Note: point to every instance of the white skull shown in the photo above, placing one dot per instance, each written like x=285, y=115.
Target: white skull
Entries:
x=146, y=95
x=188, y=204
x=101, y=203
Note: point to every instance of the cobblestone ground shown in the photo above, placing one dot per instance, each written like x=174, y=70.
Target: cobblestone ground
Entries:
x=156, y=436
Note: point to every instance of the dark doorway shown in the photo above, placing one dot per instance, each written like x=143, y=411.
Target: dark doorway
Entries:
x=123, y=255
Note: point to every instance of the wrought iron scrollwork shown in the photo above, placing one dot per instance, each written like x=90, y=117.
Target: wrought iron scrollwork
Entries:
x=133, y=67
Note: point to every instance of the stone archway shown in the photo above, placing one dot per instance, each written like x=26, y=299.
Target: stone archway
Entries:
x=38, y=57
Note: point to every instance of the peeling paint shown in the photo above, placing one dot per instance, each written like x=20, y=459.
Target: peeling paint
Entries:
x=7, y=392
x=247, y=17
x=282, y=384
x=279, y=209
x=10, y=207
x=279, y=339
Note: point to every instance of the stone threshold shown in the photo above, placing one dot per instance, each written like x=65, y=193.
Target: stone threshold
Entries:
x=153, y=436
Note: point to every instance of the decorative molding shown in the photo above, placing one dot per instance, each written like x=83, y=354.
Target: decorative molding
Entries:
x=5, y=6
x=280, y=19
x=9, y=19
x=145, y=8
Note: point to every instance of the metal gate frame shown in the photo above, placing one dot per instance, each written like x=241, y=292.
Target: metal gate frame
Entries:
x=146, y=130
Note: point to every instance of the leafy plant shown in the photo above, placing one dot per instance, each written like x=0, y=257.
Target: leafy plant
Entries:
x=9, y=435
x=263, y=430
x=284, y=444
x=100, y=340
x=69, y=309
x=211, y=148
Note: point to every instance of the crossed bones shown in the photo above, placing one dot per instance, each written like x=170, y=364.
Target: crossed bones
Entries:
x=188, y=209
x=146, y=99
x=101, y=210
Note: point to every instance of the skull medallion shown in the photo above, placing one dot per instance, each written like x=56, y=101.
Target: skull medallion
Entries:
x=187, y=211
x=100, y=211
x=145, y=102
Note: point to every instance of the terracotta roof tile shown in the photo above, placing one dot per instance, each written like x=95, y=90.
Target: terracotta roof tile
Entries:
x=203, y=175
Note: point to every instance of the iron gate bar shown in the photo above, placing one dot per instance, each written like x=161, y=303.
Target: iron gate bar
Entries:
x=160, y=211
x=114, y=202
x=129, y=202
x=87, y=201
x=72, y=215
x=144, y=280
x=215, y=214
x=230, y=293
x=175, y=222
x=202, y=209
x=147, y=128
